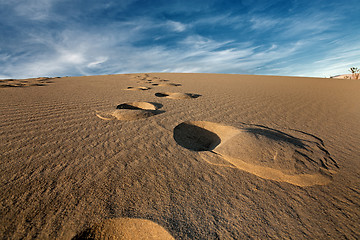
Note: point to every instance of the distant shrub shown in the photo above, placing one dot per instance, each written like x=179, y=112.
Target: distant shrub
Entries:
x=355, y=72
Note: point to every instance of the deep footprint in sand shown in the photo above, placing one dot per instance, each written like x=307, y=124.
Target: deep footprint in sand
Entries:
x=168, y=84
x=125, y=228
x=131, y=111
x=137, y=88
x=300, y=158
x=163, y=82
x=177, y=95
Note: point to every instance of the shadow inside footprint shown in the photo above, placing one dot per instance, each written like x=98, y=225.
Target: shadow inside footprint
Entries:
x=127, y=106
x=195, y=138
x=161, y=95
x=140, y=106
x=173, y=95
x=170, y=84
x=138, y=88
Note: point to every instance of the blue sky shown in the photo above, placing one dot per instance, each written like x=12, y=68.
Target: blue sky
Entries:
x=318, y=38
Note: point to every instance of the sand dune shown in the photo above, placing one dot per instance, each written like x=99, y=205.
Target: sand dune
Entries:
x=218, y=156
x=347, y=76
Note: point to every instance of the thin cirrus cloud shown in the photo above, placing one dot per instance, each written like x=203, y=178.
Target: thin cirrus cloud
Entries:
x=176, y=26
x=61, y=37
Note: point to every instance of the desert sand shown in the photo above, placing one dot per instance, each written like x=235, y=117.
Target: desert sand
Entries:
x=347, y=76
x=180, y=156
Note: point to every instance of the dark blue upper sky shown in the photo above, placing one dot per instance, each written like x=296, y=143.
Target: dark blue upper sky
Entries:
x=87, y=37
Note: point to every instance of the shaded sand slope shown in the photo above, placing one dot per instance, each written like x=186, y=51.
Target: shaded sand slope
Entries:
x=64, y=170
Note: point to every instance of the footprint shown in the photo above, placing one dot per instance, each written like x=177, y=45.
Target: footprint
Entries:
x=164, y=82
x=177, y=95
x=169, y=85
x=37, y=84
x=300, y=159
x=138, y=88
x=131, y=111
x=140, y=106
x=125, y=228
x=139, y=77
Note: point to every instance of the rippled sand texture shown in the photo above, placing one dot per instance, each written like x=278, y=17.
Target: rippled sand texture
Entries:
x=180, y=156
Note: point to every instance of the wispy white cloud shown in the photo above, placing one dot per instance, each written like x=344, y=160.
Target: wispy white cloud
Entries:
x=78, y=52
x=337, y=60
x=223, y=19
x=176, y=26
x=312, y=25
x=34, y=9
x=263, y=23
x=97, y=62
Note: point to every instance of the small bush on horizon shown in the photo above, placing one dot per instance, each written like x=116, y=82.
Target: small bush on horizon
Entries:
x=355, y=72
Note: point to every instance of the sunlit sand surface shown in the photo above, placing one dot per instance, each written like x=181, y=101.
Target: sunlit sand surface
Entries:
x=180, y=156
